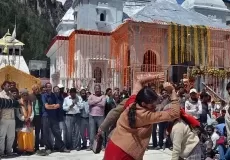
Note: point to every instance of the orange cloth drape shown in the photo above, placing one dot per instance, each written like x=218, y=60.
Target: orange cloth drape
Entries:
x=25, y=141
x=71, y=64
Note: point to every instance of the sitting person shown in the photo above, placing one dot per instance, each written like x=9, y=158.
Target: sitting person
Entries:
x=185, y=141
x=25, y=136
x=223, y=148
x=221, y=118
x=212, y=135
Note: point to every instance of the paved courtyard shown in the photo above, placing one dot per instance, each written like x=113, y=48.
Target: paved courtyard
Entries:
x=86, y=155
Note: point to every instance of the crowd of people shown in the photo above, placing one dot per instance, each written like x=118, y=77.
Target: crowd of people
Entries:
x=49, y=119
x=52, y=118
x=191, y=124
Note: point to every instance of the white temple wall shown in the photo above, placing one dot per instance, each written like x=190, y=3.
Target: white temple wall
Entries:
x=92, y=51
x=89, y=15
x=62, y=59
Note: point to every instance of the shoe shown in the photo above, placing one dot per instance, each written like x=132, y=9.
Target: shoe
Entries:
x=157, y=148
x=83, y=147
x=65, y=150
x=42, y=152
x=11, y=154
x=89, y=149
x=78, y=148
x=48, y=151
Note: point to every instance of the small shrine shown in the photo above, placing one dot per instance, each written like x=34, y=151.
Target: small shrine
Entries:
x=13, y=66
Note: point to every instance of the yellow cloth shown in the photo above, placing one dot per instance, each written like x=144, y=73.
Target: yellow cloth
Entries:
x=25, y=141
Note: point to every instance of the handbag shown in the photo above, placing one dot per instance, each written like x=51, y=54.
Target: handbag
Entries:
x=97, y=144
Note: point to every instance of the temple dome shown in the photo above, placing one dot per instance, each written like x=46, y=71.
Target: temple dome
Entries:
x=208, y=4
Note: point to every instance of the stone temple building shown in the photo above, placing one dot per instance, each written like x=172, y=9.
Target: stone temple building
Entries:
x=110, y=42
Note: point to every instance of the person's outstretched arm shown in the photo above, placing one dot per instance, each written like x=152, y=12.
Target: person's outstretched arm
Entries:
x=9, y=103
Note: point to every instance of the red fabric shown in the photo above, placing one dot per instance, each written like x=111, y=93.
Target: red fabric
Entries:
x=28, y=123
x=221, y=140
x=216, y=114
x=113, y=152
x=130, y=101
x=189, y=119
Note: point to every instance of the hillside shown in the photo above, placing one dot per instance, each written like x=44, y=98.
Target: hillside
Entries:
x=36, y=23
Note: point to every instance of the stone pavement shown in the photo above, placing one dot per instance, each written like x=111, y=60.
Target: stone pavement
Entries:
x=86, y=155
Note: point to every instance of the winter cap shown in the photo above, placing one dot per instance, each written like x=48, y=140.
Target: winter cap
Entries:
x=193, y=91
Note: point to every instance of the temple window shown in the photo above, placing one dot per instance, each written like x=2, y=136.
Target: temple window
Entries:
x=16, y=51
x=11, y=51
x=102, y=17
x=149, y=62
x=97, y=74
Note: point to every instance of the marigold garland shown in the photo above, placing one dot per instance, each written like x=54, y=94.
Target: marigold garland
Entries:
x=211, y=71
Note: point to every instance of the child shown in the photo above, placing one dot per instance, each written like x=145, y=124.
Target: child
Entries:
x=25, y=131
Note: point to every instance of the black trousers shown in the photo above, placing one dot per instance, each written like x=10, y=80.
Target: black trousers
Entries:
x=162, y=128
x=50, y=124
x=37, y=121
x=154, y=135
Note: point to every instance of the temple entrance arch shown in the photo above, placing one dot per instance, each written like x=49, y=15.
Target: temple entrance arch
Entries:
x=149, y=62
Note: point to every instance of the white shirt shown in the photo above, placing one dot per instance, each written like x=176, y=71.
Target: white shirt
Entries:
x=68, y=101
x=214, y=138
x=191, y=108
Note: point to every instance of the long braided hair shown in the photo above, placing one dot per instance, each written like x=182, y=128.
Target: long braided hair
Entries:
x=145, y=95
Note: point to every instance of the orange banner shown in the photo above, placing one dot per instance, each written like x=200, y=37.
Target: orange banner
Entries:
x=71, y=64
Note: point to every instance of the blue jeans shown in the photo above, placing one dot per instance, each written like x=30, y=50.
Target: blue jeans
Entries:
x=94, y=123
x=73, y=139
x=224, y=152
x=221, y=150
x=227, y=154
